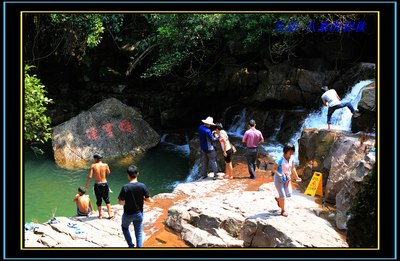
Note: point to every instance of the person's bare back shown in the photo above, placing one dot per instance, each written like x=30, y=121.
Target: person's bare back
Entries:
x=101, y=189
x=82, y=202
x=99, y=170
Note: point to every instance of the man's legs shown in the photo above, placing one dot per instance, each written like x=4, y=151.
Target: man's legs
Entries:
x=204, y=164
x=251, y=156
x=106, y=198
x=332, y=109
x=109, y=210
x=126, y=221
x=330, y=112
x=138, y=225
x=212, y=159
x=97, y=192
x=348, y=104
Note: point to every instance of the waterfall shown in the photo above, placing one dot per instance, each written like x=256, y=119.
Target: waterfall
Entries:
x=194, y=171
x=341, y=118
x=182, y=149
x=238, y=126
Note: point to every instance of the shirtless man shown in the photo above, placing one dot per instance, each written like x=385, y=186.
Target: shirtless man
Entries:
x=83, y=203
x=101, y=189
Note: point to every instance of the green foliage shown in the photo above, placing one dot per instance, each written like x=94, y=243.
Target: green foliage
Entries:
x=362, y=226
x=191, y=42
x=180, y=38
x=36, y=123
x=179, y=44
x=84, y=30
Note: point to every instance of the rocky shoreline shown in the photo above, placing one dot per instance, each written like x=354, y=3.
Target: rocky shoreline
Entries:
x=230, y=214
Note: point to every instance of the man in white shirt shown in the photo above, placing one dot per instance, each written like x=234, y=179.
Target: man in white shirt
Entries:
x=331, y=99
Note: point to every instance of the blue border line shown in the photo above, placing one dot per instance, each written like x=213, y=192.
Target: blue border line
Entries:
x=211, y=258
x=199, y=2
x=395, y=128
x=4, y=131
x=202, y=2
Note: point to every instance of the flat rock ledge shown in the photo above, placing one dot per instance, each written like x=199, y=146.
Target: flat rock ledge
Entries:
x=86, y=232
x=206, y=213
x=211, y=217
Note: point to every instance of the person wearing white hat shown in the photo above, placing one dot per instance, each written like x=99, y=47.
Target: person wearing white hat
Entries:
x=208, y=153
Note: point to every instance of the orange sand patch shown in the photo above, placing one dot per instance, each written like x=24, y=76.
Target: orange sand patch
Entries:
x=165, y=237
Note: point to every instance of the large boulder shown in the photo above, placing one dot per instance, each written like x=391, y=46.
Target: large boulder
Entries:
x=110, y=128
x=212, y=217
x=343, y=158
x=366, y=119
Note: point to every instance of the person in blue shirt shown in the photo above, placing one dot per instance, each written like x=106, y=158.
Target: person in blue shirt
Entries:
x=283, y=170
x=208, y=153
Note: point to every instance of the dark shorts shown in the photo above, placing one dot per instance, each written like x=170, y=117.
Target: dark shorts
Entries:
x=228, y=158
x=101, y=191
x=81, y=213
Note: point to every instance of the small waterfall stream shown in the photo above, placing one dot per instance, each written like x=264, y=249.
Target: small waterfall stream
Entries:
x=341, y=120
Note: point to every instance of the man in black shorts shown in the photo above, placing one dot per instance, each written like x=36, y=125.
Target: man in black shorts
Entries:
x=101, y=189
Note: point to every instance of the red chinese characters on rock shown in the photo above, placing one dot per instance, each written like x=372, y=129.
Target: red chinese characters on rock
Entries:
x=92, y=133
x=108, y=128
x=123, y=126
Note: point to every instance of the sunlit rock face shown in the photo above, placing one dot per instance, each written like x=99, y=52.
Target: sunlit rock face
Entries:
x=110, y=128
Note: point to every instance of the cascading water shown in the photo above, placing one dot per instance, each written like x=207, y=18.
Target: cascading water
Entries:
x=341, y=118
x=238, y=126
x=194, y=171
x=182, y=149
x=236, y=129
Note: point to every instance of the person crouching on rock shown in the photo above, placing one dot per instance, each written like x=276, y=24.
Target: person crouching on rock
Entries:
x=83, y=203
x=283, y=169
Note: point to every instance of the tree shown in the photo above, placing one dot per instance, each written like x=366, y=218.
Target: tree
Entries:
x=190, y=44
x=36, y=123
x=67, y=35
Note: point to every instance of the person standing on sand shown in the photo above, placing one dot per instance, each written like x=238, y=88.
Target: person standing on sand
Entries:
x=252, y=137
x=99, y=170
x=208, y=153
x=226, y=147
x=283, y=170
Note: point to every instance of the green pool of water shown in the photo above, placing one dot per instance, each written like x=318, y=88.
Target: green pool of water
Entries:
x=48, y=189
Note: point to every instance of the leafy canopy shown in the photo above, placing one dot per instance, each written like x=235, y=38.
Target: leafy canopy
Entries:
x=36, y=123
x=194, y=41
x=78, y=31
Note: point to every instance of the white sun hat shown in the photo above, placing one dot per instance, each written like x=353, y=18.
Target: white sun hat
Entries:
x=208, y=120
